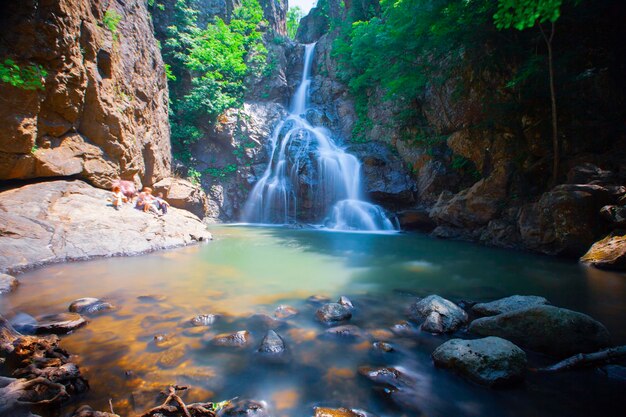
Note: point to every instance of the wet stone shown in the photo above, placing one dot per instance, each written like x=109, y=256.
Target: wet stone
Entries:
x=89, y=305
x=508, y=304
x=8, y=283
x=195, y=331
x=204, y=319
x=333, y=313
x=61, y=323
x=383, y=347
x=285, y=311
x=403, y=328
x=238, y=339
x=173, y=357
x=437, y=314
x=345, y=301
x=244, y=408
x=265, y=322
x=272, y=344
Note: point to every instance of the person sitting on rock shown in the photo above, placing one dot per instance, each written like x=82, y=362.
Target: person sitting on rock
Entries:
x=118, y=198
x=161, y=203
x=145, y=201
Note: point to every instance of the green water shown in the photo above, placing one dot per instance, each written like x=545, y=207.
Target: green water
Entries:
x=248, y=270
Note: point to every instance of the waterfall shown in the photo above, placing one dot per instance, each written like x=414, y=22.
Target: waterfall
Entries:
x=309, y=177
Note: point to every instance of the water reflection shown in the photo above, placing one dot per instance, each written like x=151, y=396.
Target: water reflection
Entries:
x=247, y=272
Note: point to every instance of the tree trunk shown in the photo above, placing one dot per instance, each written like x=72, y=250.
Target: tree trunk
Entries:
x=555, y=137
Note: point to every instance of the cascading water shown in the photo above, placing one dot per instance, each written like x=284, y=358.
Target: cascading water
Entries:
x=309, y=177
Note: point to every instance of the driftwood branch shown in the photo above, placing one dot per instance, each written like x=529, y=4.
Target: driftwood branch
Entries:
x=174, y=406
x=587, y=359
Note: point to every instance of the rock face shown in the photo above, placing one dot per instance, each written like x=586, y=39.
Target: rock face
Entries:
x=552, y=330
x=70, y=220
x=312, y=26
x=183, y=195
x=490, y=361
x=608, y=253
x=7, y=283
x=103, y=113
x=508, y=304
x=438, y=314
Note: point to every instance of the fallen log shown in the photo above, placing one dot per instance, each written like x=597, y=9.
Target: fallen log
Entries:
x=587, y=359
x=174, y=406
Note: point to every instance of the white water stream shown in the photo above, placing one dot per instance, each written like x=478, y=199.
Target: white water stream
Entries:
x=309, y=177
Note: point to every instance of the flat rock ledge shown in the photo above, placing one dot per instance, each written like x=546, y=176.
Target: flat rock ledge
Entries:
x=490, y=361
x=59, y=221
x=508, y=304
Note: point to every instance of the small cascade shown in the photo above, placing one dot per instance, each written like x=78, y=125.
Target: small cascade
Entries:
x=309, y=178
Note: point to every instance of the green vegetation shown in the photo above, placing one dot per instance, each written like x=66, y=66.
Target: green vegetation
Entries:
x=294, y=14
x=111, y=20
x=31, y=77
x=207, y=68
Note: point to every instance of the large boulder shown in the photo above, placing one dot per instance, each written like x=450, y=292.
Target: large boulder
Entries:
x=608, y=253
x=508, y=304
x=103, y=111
x=490, y=361
x=184, y=195
x=547, y=329
x=437, y=314
x=565, y=220
x=70, y=220
x=332, y=313
x=474, y=206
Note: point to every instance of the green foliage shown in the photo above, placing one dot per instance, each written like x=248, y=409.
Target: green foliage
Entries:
x=31, y=77
x=111, y=20
x=194, y=176
x=221, y=172
x=34, y=149
x=207, y=67
x=294, y=14
x=412, y=45
x=523, y=14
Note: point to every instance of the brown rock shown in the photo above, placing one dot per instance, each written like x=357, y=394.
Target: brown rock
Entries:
x=184, y=195
x=608, y=253
x=103, y=112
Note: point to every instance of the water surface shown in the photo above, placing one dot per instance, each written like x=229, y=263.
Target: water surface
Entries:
x=248, y=270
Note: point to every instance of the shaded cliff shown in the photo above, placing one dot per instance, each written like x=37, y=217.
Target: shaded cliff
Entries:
x=474, y=135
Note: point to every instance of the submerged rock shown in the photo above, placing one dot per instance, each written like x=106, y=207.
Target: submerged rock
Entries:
x=265, y=322
x=333, y=313
x=338, y=412
x=508, y=304
x=89, y=305
x=245, y=408
x=152, y=298
x=348, y=331
x=203, y=320
x=552, y=330
x=173, y=357
x=318, y=299
x=438, y=314
x=383, y=346
x=52, y=323
x=8, y=283
x=403, y=328
x=490, y=361
x=608, y=253
x=164, y=341
x=238, y=339
x=285, y=311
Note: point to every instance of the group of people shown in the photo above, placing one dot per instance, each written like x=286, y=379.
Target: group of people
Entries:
x=144, y=200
